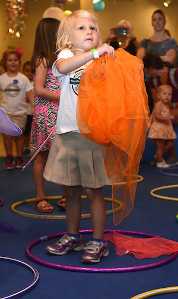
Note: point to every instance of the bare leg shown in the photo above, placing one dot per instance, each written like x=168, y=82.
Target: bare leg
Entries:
x=159, y=155
x=171, y=151
x=19, y=145
x=38, y=168
x=8, y=140
x=73, y=207
x=71, y=241
x=98, y=211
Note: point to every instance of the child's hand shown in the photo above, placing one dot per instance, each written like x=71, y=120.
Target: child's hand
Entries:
x=105, y=49
x=55, y=95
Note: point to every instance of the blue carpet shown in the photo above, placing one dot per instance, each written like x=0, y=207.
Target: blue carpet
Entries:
x=150, y=215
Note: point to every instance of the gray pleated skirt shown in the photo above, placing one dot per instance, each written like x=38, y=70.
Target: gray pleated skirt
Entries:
x=76, y=161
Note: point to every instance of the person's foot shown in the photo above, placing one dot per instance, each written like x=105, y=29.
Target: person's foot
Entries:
x=9, y=163
x=94, y=251
x=162, y=164
x=65, y=244
x=44, y=206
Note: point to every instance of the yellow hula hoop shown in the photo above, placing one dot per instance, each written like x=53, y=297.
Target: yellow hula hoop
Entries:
x=16, y=204
x=51, y=216
x=153, y=192
x=138, y=179
x=156, y=292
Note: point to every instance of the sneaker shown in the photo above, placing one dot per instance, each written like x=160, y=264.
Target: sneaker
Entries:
x=19, y=162
x=94, y=251
x=9, y=163
x=65, y=244
x=162, y=164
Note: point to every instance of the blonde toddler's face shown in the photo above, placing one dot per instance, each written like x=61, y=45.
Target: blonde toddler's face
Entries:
x=84, y=34
x=165, y=94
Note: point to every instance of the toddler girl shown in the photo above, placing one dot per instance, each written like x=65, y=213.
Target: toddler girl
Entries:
x=75, y=161
x=161, y=129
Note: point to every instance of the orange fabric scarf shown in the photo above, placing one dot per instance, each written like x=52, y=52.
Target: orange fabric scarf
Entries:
x=113, y=111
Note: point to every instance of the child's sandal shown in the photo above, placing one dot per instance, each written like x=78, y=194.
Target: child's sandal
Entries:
x=44, y=206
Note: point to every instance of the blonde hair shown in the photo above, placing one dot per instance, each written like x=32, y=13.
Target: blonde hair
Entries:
x=160, y=88
x=163, y=86
x=125, y=23
x=65, y=28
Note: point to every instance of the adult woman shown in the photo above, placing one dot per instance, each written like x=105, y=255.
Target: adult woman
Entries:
x=160, y=44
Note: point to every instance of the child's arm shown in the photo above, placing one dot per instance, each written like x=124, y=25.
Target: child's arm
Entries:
x=30, y=96
x=39, y=84
x=70, y=64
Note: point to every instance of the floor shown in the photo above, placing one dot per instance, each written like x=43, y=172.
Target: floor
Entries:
x=150, y=215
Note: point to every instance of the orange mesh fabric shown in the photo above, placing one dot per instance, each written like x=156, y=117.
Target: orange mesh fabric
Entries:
x=112, y=110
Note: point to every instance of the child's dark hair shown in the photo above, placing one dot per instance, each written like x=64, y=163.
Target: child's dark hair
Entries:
x=45, y=42
x=6, y=55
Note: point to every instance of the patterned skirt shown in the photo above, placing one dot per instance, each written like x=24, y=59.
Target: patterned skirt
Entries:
x=44, y=121
x=163, y=131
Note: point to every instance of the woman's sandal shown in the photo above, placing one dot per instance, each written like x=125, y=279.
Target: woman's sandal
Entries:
x=62, y=203
x=44, y=206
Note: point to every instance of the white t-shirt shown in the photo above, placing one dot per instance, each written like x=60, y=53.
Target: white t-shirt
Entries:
x=14, y=93
x=66, y=117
